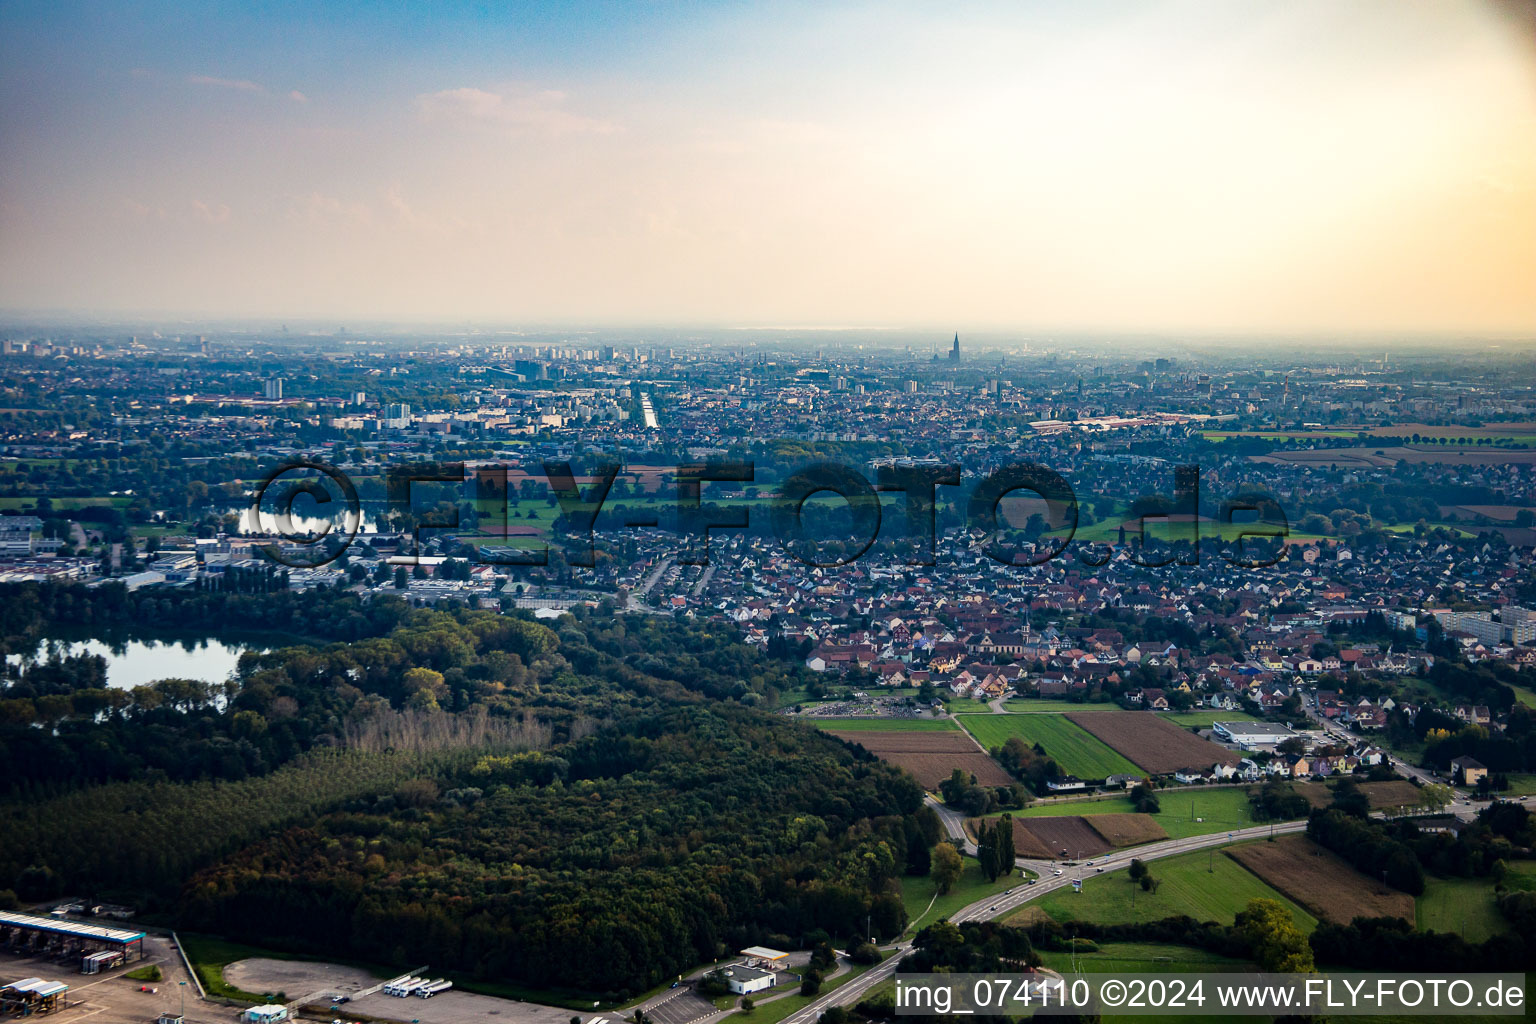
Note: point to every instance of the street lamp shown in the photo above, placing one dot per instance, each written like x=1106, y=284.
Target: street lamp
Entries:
x=183, y=986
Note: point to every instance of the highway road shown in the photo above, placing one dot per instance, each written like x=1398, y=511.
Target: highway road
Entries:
x=997, y=905
x=953, y=822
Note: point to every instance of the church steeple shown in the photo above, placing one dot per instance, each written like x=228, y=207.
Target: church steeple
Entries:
x=954, y=353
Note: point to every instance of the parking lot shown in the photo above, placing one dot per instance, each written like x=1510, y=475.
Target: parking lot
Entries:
x=110, y=998
x=303, y=981
x=683, y=1007
x=456, y=1007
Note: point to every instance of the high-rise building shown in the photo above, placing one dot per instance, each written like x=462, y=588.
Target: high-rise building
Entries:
x=272, y=388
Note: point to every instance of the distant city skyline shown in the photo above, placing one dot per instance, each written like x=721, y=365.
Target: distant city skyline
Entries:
x=1204, y=167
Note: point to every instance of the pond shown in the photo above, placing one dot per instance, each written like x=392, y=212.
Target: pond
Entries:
x=136, y=662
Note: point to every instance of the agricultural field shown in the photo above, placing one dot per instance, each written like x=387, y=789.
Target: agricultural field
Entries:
x=1207, y=886
x=1069, y=746
x=1321, y=881
x=1045, y=838
x=1461, y=905
x=1377, y=458
x=875, y=723
x=1156, y=745
x=929, y=755
x=1382, y=795
x=1081, y=836
x=1121, y=829
x=1186, y=812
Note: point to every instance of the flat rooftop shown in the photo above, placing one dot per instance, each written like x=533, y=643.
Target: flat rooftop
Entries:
x=58, y=926
x=1255, y=729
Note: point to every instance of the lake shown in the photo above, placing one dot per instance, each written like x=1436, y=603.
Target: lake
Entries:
x=136, y=662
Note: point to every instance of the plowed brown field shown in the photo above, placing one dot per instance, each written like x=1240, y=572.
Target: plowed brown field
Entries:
x=930, y=756
x=1154, y=744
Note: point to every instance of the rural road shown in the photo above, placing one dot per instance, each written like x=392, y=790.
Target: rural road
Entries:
x=998, y=905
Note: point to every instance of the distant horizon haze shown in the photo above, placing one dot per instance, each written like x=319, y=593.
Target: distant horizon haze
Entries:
x=1182, y=167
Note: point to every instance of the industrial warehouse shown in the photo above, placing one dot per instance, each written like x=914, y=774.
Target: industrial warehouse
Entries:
x=67, y=940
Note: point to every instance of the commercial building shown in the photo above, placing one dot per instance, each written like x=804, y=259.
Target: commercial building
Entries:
x=1252, y=734
x=271, y=1013
x=744, y=980
x=26, y=934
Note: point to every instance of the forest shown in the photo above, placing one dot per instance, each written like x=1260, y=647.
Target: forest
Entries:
x=552, y=804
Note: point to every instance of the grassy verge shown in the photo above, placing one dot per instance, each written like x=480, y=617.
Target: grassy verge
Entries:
x=972, y=886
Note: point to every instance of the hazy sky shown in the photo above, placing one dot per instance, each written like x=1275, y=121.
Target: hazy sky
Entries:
x=1211, y=167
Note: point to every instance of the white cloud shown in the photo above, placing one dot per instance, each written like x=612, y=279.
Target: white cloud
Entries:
x=542, y=111
x=238, y=84
x=298, y=97
x=211, y=213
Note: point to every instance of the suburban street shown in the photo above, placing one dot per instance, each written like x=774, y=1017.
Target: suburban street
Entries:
x=636, y=602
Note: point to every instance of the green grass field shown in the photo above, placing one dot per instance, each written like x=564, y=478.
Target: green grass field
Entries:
x=1071, y=746
x=973, y=885
x=1521, y=875
x=66, y=503
x=1204, y=717
x=966, y=706
x=1521, y=784
x=1036, y=705
x=873, y=724
x=1461, y=905
x=1221, y=810
x=1145, y=958
x=1205, y=885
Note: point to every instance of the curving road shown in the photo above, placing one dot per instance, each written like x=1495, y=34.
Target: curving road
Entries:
x=997, y=905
